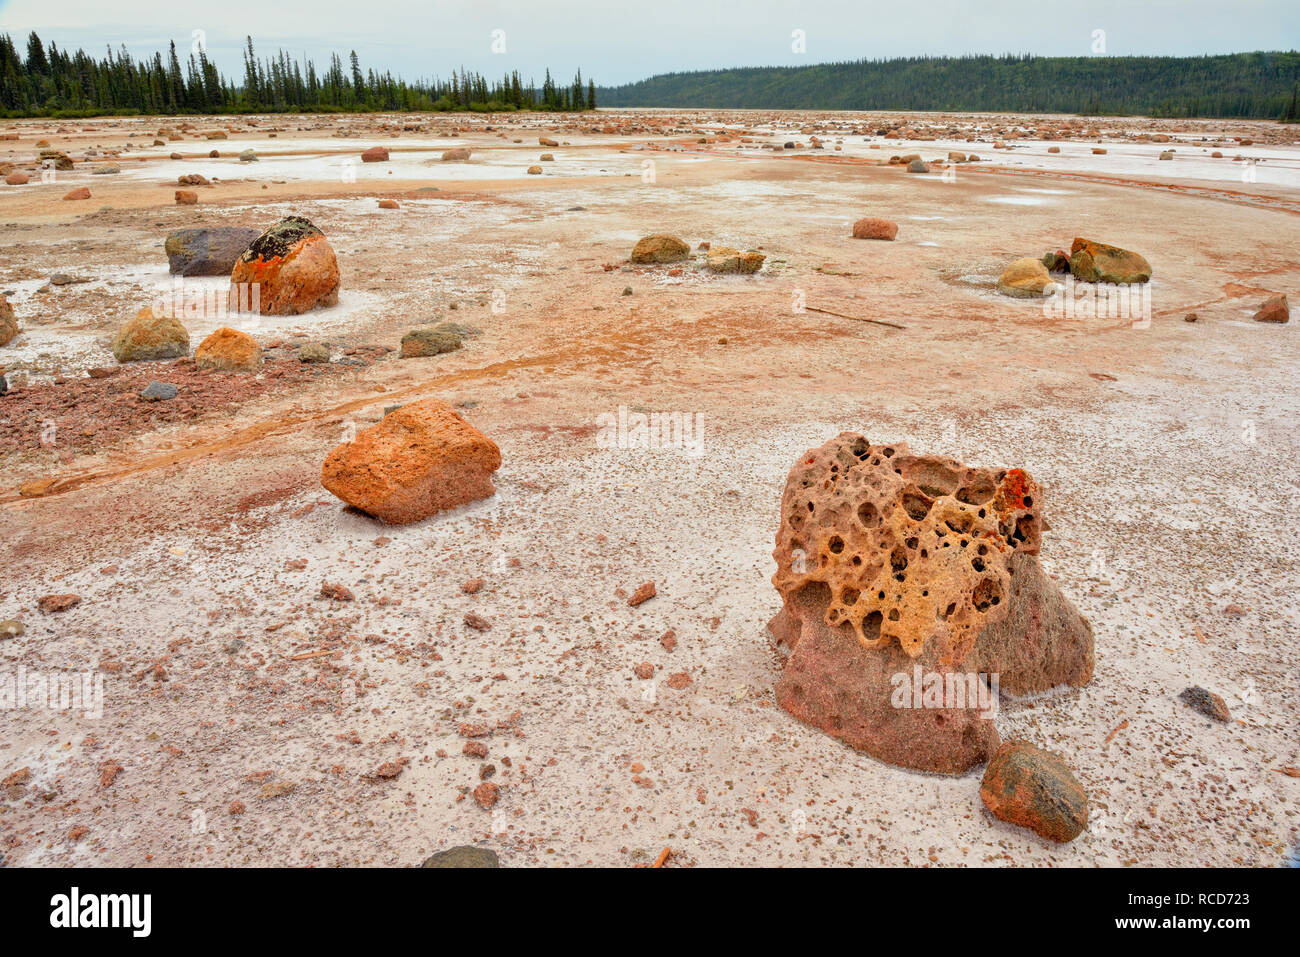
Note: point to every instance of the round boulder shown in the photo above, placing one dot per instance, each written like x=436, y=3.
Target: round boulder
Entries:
x=228, y=350
x=1026, y=278
x=872, y=228
x=148, y=336
x=293, y=267
x=1033, y=788
x=660, y=249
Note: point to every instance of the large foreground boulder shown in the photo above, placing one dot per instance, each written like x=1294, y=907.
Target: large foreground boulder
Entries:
x=1033, y=788
x=293, y=266
x=660, y=249
x=420, y=459
x=1097, y=262
x=912, y=594
x=208, y=252
x=149, y=336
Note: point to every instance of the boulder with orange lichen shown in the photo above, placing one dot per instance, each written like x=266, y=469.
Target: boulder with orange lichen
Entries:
x=291, y=266
x=420, y=459
x=228, y=350
x=912, y=593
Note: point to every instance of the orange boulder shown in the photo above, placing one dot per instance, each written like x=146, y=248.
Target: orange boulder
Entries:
x=229, y=350
x=871, y=228
x=293, y=267
x=420, y=459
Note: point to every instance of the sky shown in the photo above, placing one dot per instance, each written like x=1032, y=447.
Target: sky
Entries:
x=618, y=41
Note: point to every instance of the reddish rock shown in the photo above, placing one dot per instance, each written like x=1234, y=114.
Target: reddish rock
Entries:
x=475, y=749
x=642, y=595
x=645, y=671
x=871, y=228
x=472, y=586
x=904, y=573
x=477, y=622
x=108, y=772
x=228, y=350
x=668, y=640
x=186, y=197
x=8, y=322
x=17, y=178
x=679, y=681
x=388, y=204
x=376, y=154
x=336, y=592
x=1097, y=262
x=81, y=192
x=457, y=155
x=52, y=604
x=486, y=794
x=293, y=267
x=1274, y=309
x=420, y=459
x=1033, y=788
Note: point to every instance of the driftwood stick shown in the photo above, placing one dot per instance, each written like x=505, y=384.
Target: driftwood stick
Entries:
x=840, y=315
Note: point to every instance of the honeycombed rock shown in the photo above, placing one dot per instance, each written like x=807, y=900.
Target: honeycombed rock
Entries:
x=893, y=566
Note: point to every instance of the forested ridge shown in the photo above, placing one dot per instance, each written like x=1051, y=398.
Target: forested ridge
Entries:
x=48, y=81
x=1260, y=85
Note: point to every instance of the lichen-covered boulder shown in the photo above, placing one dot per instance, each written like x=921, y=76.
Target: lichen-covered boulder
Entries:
x=420, y=459
x=1097, y=262
x=228, y=350
x=149, y=336
x=431, y=341
x=1026, y=278
x=660, y=249
x=293, y=266
x=210, y=251
x=908, y=583
x=1033, y=788
x=724, y=259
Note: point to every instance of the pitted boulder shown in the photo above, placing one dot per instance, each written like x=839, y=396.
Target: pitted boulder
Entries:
x=893, y=566
x=293, y=266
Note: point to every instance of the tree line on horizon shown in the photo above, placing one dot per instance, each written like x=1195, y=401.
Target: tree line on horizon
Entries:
x=1258, y=85
x=52, y=82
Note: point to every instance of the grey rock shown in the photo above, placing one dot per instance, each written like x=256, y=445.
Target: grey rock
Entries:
x=208, y=251
x=248, y=156
x=107, y=169
x=917, y=166
x=158, y=392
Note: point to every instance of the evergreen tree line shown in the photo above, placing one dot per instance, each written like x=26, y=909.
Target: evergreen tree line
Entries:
x=53, y=82
x=1259, y=85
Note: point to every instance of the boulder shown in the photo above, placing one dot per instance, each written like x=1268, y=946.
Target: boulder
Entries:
x=228, y=350
x=247, y=156
x=389, y=204
x=907, y=583
x=917, y=166
x=534, y=170
x=148, y=336
x=546, y=141
x=1026, y=278
x=192, y=179
x=17, y=178
x=1033, y=788
x=724, y=259
x=8, y=322
x=376, y=154
x=660, y=249
x=210, y=251
x=432, y=341
x=420, y=459
x=313, y=352
x=457, y=155
x=1057, y=261
x=294, y=267
x=108, y=169
x=1206, y=702
x=546, y=158
x=158, y=392
x=81, y=192
x=1097, y=262
x=56, y=159
x=873, y=228
x=186, y=197
x=1275, y=309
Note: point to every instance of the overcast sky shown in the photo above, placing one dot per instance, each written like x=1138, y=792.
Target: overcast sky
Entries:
x=617, y=41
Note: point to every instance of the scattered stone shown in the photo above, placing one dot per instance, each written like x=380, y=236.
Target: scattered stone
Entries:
x=472, y=586
x=679, y=681
x=1275, y=309
x=376, y=154
x=1033, y=788
x=463, y=856
x=545, y=141
x=248, y=156
x=108, y=169
x=56, y=159
x=389, y=204
x=192, y=179
x=313, y=352
x=660, y=249
x=724, y=259
x=1025, y=279
x=893, y=564
x=642, y=595
x=8, y=322
x=53, y=604
x=158, y=392
x=12, y=628
x=458, y=155
x=81, y=192
x=228, y=350
x=873, y=228
x=917, y=166
x=645, y=671
x=336, y=592
x=627, y=290
x=534, y=170
x=17, y=178
x=422, y=459
x=431, y=341
x=294, y=266
x=1205, y=702
x=186, y=197
x=477, y=622
x=486, y=794
x=475, y=749
x=668, y=640
x=1191, y=317
x=1058, y=261
x=208, y=251
x=1097, y=262
x=149, y=337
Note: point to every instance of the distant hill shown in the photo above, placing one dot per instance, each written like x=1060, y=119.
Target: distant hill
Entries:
x=1258, y=85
